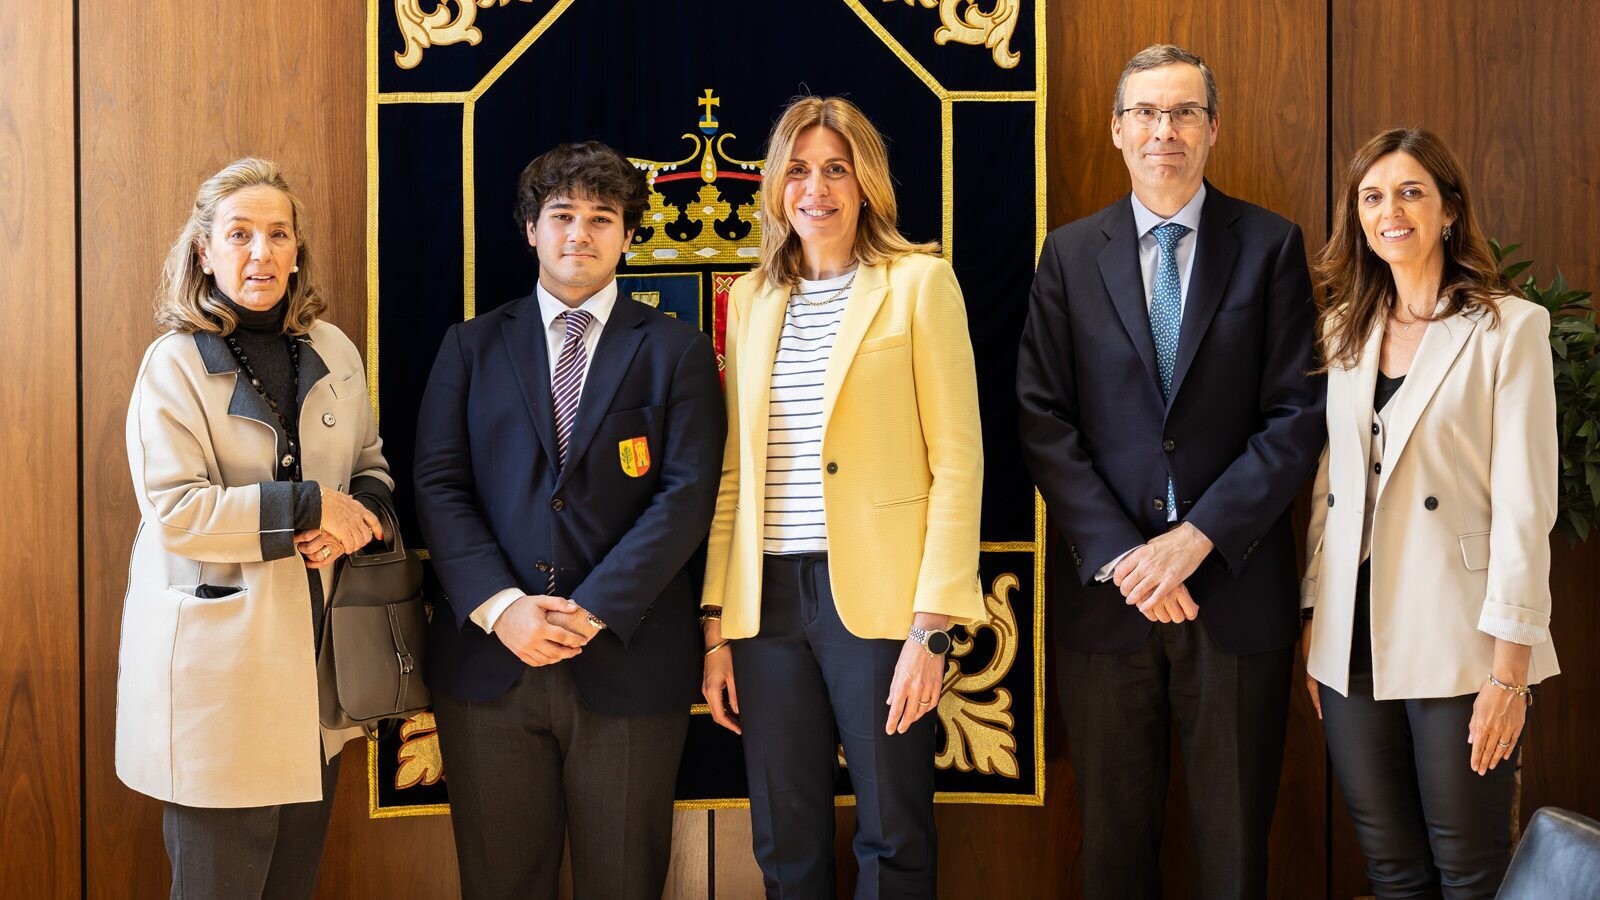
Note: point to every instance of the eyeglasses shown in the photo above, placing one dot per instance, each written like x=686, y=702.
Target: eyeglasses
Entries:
x=1182, y=116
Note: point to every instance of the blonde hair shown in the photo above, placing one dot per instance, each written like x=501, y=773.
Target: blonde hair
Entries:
x=183, y=299
x=878, y=238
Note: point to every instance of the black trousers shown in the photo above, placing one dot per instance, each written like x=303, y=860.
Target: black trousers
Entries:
x=1427, y=824
x=1229, y=714
x=803, y=680
x=272, y=852
x=535, y=765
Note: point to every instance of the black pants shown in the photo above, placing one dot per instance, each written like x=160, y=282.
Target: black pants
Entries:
x=1427, y=824
x=534, y=765
x=803, y=679
x=272, y=852
x=1229, y=714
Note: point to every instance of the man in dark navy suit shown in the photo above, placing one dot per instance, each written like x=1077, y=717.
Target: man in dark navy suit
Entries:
x=568, y=451
x=1168, y=419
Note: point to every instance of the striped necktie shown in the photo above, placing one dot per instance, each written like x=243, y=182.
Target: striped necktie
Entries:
x=566, y=384
x=1166, y=314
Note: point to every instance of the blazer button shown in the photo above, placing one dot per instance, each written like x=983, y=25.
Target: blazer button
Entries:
x=1169, y=445
x=1374, y=427
x=1160, y=504
x=1430, y=504
x=1330, y=499
x=542, y=566
x=833, y=468
x=1377, y=468
x=558, y=504
x=328, y=419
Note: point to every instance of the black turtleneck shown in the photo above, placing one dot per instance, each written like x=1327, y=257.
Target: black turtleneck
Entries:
x=260, y=335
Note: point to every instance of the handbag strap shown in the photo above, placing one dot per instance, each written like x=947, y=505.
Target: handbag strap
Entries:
x=394, y=545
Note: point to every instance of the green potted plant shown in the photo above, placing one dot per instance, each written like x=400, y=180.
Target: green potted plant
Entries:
x=1575, y=345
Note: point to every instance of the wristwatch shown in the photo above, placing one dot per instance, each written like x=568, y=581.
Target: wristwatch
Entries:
x=935, y=642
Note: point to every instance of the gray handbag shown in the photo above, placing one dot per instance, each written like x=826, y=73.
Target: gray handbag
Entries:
x=369, y=663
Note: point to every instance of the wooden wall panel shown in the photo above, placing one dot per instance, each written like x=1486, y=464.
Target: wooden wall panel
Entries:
x=1507, y=86
x=1270, y=62
x=39, y=761
x=169, y=94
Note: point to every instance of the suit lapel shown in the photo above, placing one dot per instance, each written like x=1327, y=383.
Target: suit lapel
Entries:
x=1215, y=251
x=525, y=343
x=860, y=308
x=1354, y=386
x=1441, y=345
x=1119, y=269
x=618, y=341
x=758, y=348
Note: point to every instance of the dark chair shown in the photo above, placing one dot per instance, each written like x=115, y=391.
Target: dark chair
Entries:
x=1558, y=859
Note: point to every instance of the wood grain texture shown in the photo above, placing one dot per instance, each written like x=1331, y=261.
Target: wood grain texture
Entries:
x=40, y=782
x=168, y=95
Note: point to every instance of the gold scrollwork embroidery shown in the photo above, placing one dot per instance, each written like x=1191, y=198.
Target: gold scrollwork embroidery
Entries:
x=441, y=26
x=978, y=730
x=965, y=22
x=419, y=756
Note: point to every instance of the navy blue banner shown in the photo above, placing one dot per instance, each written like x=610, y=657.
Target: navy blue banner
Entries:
x=463, y=93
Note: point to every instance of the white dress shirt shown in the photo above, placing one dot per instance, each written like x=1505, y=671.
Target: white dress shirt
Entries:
x=1145, y=222
x=598, y=305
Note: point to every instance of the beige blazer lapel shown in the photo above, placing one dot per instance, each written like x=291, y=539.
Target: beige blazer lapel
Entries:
x=1441, y=345
x=1357, y=384
x=756, y=354
x=860, y=308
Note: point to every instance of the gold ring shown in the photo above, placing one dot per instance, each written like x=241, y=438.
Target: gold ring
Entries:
x=1504, y=743
x=924, y=702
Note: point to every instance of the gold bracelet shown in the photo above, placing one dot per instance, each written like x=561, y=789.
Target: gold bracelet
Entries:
x=1521, y=690
x=718, y=646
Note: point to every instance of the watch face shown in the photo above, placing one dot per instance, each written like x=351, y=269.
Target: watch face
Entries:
x=938, y=643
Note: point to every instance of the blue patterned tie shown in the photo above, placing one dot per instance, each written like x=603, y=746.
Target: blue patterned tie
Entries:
x=1166, y=315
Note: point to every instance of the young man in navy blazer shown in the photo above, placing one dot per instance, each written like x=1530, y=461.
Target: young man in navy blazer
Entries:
x=1168, y=420
x=568, y=451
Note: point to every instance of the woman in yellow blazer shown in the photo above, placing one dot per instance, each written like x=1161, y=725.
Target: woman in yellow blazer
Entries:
x=1427, y=599
x=248, y=432
x=845, y=539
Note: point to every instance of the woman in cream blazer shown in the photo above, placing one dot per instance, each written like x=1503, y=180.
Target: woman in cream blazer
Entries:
x=845, y=539
x=1426, y=599
x=244, y=508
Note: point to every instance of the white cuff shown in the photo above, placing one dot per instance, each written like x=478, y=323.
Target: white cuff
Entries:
x=488, y=612
x=1105, y=571
x=1512, y=630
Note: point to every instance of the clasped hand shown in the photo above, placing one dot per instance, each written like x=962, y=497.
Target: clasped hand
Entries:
x=541, y=629
x=1151, y=576
x=347, y=525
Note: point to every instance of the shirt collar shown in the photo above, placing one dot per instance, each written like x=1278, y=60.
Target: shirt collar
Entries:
x=1189, y=216
x=599, y=304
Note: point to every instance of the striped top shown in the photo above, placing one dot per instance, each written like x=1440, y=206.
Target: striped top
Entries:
x=794, y=520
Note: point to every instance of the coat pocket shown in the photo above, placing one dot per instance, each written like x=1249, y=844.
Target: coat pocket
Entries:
x=883, y=343
x=907, y=501
x=1475, y=550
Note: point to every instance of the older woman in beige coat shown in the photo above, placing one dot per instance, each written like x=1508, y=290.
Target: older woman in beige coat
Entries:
x=248, y=433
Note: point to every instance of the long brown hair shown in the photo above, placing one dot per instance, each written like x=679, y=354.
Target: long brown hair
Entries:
x=1355, y=288
x=877, y=237
x=183, y=299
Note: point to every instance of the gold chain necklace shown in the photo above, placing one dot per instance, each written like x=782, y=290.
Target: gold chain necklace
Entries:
x=836, y=294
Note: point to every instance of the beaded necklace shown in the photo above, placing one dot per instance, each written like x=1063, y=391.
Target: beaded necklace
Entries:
x=289, y=423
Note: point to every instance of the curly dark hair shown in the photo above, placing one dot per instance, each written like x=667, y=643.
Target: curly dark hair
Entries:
x=588, y=169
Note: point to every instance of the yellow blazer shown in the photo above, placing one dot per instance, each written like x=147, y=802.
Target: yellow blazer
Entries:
x=1466, y=500
x=902, y=453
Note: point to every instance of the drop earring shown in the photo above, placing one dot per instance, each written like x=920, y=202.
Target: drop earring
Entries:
x=1447, y=232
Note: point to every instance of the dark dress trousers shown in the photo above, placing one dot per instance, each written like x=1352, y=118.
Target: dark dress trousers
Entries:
x=1238, y=439
x=531, y=751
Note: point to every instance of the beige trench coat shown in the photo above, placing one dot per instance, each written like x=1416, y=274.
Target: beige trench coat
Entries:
x=217, y=698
